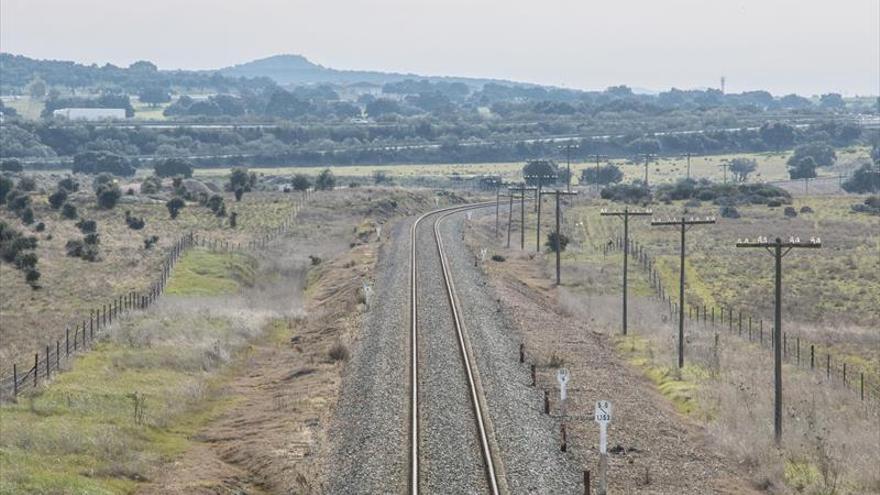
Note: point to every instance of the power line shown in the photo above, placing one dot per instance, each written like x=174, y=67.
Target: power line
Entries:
x=626, y=213
x=776, y=248
x=685, y=224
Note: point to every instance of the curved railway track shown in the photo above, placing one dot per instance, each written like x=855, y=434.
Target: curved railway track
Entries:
x=467, y=360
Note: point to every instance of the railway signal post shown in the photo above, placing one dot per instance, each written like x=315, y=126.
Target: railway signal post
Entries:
x=778, y=250
x=626, y=213
x=685, y=224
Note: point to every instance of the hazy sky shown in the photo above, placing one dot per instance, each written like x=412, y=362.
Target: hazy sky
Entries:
x=803, y=46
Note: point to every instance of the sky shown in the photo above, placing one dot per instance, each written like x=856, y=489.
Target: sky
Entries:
x=807, y=47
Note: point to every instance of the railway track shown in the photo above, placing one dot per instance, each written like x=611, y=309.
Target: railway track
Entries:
x=467, y=361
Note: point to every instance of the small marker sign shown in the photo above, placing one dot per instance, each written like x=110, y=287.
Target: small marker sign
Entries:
x=562, y=377
x=603, y=412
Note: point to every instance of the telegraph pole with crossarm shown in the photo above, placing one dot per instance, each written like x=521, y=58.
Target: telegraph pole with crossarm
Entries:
x=538, y=204
x=522, y=213
x=557, y=245
x=685, y=224
x=778, y=249
x=626, y=213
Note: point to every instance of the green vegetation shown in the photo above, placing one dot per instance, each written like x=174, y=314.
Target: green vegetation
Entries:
x=204, y=273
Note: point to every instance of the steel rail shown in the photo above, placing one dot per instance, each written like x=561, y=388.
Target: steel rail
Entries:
x=414, y=391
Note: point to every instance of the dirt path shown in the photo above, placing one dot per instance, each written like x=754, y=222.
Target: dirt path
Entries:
x=653, y=449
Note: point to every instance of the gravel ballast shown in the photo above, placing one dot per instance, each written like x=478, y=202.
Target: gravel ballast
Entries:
x=527, y=438
x=370, y=451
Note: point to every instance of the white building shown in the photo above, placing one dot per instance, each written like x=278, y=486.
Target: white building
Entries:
x=90, y=114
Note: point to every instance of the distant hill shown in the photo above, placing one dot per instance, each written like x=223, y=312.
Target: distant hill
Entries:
x=296, y=69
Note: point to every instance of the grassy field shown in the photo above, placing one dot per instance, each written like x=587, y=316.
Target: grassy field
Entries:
x=133, y=402
x=70, y=287
x=771, y=167
x=830, y=297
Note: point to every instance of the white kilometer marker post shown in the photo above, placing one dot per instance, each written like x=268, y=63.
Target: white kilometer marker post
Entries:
x=603, y=416
x=562, y=377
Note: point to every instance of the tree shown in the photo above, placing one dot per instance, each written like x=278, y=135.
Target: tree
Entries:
x=154, y=96
x=551, y=241
x=37, y=88
x=239, y=178
x=864, y=180
x=5, y=186
x=301, y=182
x=69, y=211
x=174, y=206
x=832, y=101
x=11, y=165
x=172, y=167
x=108, y=194
x=802, y=168
x=777, y=135
x=68, y=184
x=57, y=199
x=628, y=193
x=326, y=180
x=27, y=184
x=381, y=177
x=546, y=169
x=821, y=153
x=606, y=174
x=151, y=185
x=742, y=167
x=97, y=162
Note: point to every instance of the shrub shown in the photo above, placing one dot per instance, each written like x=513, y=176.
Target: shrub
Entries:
x=17, y=200
x=774, y=203
x=77, y=248
x=729, y=212
x=315, y=260
x=5, y=187
x=11, y=165
x=381, y=177
x=233, y=219
x=301, y=182
x=40, y=227
x=326, y=180
x=552, y=241
x=498, y=258
x=239, y=179
x=69, y=211
x=27, y=184
x=108, y=194
x=32, y=276
x=627, y=193
x=87, y=226
x=92, y=239
x=172, y=167
x=151, y=185
x=790, y=212
x=239, y=192
x=863, y=180
x=68, y=184
x=134, y=223
x=27, y=216
x=216, y=205
x=604, y=175
x=338, y=352
x=174, y=206
x=871, y=206
x=149, y=242
x=353, y=185
x=57, y=199
x=806, y=209
x=97, y=162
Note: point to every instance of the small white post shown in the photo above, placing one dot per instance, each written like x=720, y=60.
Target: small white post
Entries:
x=603, y=416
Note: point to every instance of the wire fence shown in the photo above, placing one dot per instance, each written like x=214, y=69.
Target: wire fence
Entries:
x=80, y=338
x=796, y=350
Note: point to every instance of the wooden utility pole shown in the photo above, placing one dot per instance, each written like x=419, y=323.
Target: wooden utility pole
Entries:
x=522, y=213
x=598, y=158
x=648, y=157
x=540, y=179
x=626, y=213
x=778, y=249
x=685, y=224
x=568, y=147
x=557, y=245
x=725, y=166
x=498, y=197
